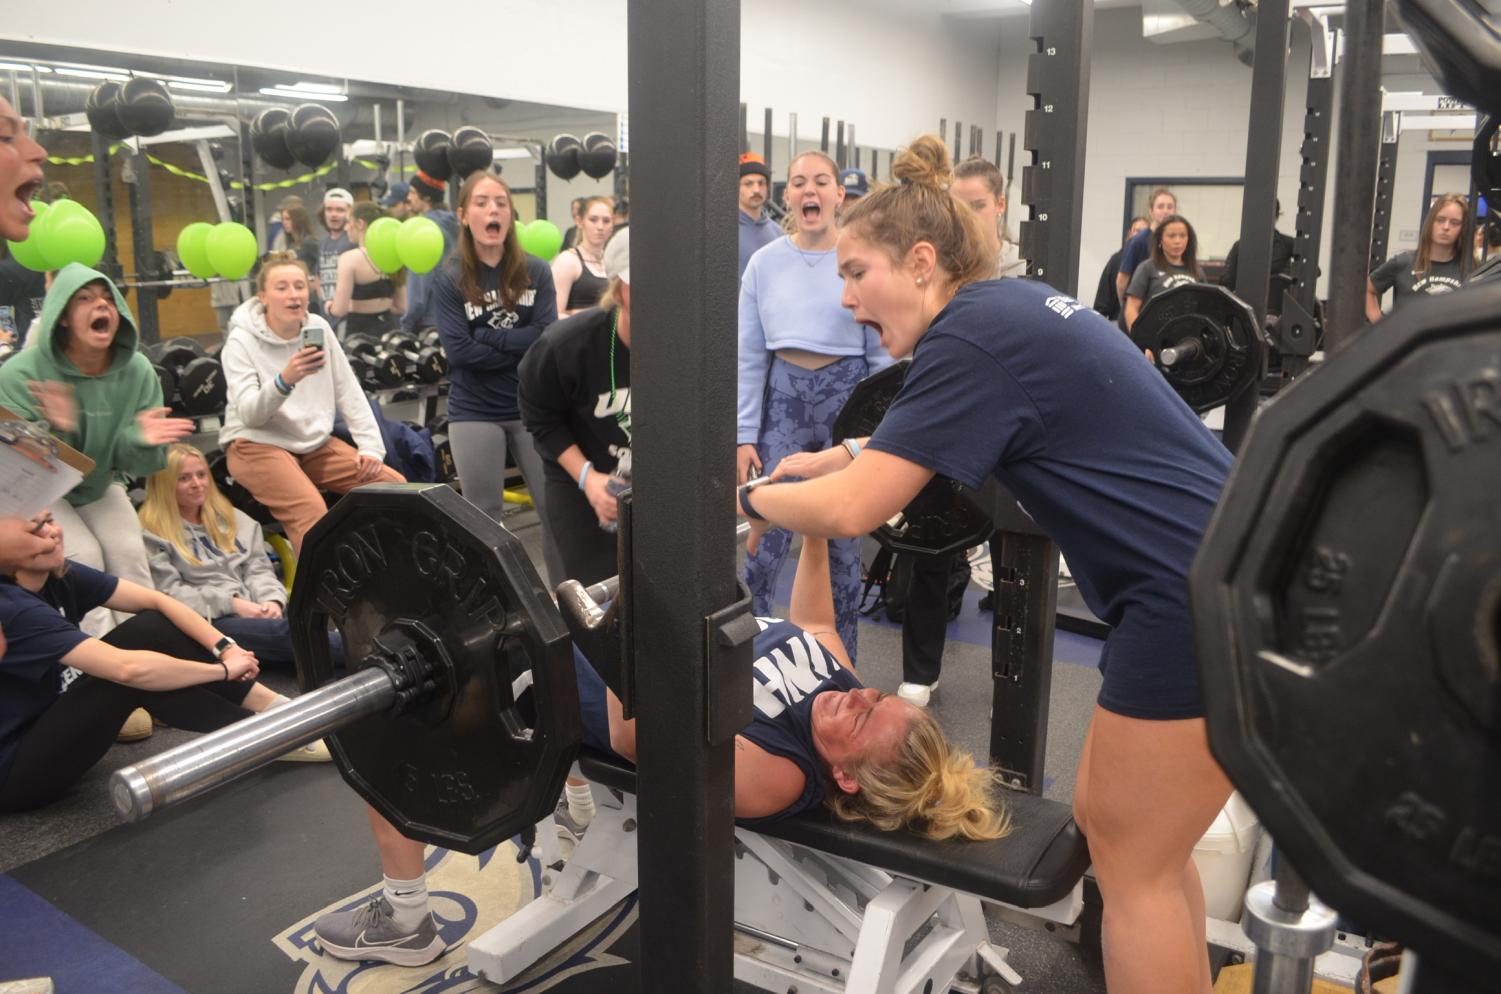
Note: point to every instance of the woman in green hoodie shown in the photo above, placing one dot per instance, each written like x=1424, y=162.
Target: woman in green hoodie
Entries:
x=108, y=406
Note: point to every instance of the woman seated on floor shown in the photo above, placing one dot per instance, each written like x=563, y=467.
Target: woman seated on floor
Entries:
x=211, y=556
x=63, y=695
x=821, y=737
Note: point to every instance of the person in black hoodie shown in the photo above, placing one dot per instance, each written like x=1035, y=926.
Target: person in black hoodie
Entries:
x=576, y=402
x=493, y=301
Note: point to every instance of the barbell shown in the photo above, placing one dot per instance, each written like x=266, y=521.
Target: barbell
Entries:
x=1204, y=340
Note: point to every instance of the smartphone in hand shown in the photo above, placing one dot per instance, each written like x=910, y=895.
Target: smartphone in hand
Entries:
x=312, y=337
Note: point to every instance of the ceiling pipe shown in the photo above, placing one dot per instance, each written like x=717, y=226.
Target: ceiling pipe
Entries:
x=1233, y=20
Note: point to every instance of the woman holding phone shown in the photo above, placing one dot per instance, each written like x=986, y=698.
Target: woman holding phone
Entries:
x=287, y=375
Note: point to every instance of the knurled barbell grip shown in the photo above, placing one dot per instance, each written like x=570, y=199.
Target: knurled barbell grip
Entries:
x=1185, y=351
x=210, y=760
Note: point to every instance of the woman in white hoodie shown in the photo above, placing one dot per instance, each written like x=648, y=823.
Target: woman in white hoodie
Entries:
x=284, y=388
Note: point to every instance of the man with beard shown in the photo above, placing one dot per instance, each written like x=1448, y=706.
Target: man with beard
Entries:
x=756, y=228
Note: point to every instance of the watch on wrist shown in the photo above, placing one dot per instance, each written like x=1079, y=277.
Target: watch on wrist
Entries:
x=224, y=644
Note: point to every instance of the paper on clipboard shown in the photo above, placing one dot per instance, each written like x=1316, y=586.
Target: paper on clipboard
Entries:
x=36, y=470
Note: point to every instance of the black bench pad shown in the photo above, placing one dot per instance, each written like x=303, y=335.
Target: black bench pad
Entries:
x=1036, y=865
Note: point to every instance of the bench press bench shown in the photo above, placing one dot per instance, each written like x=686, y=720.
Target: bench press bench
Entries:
x=821, y=904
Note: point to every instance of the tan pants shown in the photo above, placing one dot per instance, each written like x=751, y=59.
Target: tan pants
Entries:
x=288, y=483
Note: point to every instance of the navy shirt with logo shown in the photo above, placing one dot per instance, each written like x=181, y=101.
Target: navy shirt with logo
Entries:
x=790, y=670
x=329, y=250
x=1018, y=381
x=486, y=342
x=40, y=629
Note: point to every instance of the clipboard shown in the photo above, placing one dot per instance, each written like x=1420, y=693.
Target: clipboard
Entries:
x=36, y=468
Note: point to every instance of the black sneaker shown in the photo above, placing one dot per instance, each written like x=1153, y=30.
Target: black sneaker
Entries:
x=370, y=933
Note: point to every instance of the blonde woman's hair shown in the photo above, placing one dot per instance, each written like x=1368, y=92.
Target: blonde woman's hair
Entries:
x=160, y=515
x=927, y=787
x=610, y=299
x=920, y=208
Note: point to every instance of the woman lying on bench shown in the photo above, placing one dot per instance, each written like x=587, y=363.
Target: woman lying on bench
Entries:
x=818, y=735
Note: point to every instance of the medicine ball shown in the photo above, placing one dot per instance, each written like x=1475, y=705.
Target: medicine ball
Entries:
x=103, y=111
x=431, y=154
x=598, y=155
x=470, y=152
x=268, y=136
x=314, y=135
x=145, y=107
x=563, y=156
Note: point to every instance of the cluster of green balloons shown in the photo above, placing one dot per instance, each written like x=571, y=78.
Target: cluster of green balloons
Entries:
x=416, y=243
x=541, y=238
x=226, y=249
x=62, y=232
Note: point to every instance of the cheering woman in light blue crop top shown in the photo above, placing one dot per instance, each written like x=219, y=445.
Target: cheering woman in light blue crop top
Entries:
x=801, y=353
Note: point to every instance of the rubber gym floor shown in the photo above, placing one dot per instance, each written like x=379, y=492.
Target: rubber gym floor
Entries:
x=219, y=896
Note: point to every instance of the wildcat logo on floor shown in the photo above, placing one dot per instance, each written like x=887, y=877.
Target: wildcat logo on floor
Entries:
x=469, y=896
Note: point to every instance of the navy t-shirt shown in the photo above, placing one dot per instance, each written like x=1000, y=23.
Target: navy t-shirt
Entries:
x=790, y=670
x=41, y=628
x=1137, y=249
x=485, y=342
x=1016, y=380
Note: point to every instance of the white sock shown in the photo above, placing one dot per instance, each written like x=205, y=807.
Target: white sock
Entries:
x=408, y=900
x=580, y=803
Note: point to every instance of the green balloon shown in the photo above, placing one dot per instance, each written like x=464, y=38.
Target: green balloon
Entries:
x=231, y=249
x=192, y=249
x=70, y=233
x=520, y=227
x=380, y=244
x=420, y=244
x=542, y=239
x=29, y=252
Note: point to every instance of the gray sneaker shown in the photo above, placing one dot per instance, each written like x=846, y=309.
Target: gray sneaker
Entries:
x=570, y=832
x=370, y=933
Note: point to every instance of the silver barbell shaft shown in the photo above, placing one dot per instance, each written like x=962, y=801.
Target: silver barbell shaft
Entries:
x=218, y=757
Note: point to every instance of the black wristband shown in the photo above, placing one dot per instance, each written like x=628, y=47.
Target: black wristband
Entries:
x=225, y=666
x=745, y=504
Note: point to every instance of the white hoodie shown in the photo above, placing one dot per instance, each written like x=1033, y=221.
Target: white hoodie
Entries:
x=301, y=421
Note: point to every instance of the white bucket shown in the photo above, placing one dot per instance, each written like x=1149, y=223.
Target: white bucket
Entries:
x=1224, y=856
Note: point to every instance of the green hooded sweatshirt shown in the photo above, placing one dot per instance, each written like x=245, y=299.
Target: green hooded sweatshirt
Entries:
x=107, y=404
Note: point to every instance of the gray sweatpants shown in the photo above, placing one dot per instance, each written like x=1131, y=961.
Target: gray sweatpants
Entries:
x=479, y=455
x=107, y=536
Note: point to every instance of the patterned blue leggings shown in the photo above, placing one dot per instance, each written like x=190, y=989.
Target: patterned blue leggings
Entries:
x=798, y=416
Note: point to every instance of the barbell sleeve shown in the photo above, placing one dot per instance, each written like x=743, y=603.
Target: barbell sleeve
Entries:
x=218, y=757
x=1185, y=351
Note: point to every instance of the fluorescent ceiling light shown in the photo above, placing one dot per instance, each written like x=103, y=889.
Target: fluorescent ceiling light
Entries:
x=22, y=67
x=287, y=93
x=311, y=87
x=93, y=73
x=511, y=153
x=205, y=86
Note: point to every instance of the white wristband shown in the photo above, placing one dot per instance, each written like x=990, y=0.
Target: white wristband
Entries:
x=584, y=474
x=851, y=446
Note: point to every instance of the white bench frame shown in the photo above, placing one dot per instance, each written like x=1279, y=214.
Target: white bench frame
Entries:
x=804, y=918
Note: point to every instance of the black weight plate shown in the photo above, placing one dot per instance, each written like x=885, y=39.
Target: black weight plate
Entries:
x=175, y=353
x=465, y=768
x=168, y=380
x=1461, y=40
x=201, y=387
x=1224, y=327
x=1347, y=605
x=944, y=517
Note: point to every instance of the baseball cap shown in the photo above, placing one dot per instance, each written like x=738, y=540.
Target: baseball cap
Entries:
x=752, y=164
x=338, y=195
x=618, y=256
x=395, y=195
x=854, y=182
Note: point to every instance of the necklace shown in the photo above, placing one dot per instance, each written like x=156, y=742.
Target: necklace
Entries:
x=621, y=418
x=811, y=257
